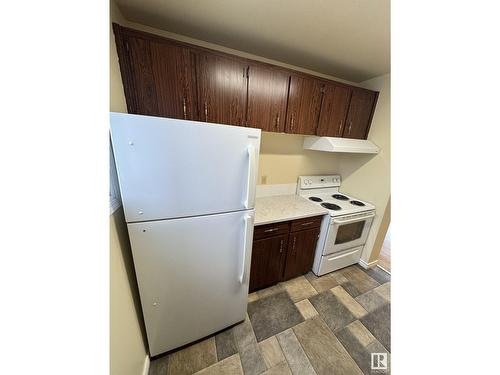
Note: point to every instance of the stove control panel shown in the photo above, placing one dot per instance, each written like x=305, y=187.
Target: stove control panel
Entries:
x=315, y=182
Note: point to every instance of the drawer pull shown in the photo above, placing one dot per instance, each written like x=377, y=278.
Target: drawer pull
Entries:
x=308, y=223
x=271, y=230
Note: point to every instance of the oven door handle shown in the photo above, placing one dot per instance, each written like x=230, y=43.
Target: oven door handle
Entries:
x=353, y=220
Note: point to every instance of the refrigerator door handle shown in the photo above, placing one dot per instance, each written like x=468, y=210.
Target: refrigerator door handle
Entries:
x=247, y=241
x=249, y=201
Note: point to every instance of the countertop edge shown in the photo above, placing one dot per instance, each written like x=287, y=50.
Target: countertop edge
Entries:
x=289, y=218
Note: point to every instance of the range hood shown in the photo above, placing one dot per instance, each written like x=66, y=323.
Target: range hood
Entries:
x=334, y=144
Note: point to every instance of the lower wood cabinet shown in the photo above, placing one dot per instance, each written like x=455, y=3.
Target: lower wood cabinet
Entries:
x=300, y=254
x=268, y=259
x=283, y=251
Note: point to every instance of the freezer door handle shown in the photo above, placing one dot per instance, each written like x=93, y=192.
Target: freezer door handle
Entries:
x=249, y=201
x=247, y=242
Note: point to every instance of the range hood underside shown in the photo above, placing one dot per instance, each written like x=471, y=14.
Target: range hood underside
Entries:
x=333, y=144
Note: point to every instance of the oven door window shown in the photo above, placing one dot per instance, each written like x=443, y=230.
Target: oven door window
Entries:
x=349, y=232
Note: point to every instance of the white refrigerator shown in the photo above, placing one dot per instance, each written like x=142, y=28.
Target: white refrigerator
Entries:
x=188, y=192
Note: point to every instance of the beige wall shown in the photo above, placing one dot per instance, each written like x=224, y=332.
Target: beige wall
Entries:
x=282, y=159
x=127, y=346
x=381, y=236
x=368, y=176
x=127, y=341
x=116, y=94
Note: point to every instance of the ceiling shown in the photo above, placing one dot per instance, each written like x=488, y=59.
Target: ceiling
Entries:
x=348, y=39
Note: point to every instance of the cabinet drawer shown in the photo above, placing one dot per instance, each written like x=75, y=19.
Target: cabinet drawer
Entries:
x=307, y=223
x=269, y=230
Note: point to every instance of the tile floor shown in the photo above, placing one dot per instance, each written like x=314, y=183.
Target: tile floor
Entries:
x=308, y=325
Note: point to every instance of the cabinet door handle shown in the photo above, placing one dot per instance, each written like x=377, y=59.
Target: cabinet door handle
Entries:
x=350, y=125
x=206, y=112
x=292, y=120
x=277, y=121
x=281, y=246
x=340, y=128
x=294, y=241
x=308, y=223
x=270, y=230
x=184, y=109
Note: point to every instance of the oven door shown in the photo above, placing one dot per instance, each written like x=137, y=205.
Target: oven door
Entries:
x=347, y=232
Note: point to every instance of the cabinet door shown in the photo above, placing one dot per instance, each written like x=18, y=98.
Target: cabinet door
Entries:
x=175, y=81
x=300, y=254
x=360, y=114
x=268, y=258
x=304, y=104
x=267, y=95
x=222, y=87
x=333, y=110
x=141, y=94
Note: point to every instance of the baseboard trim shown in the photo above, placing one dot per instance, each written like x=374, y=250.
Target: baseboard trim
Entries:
x=365, y=265
x=383, y=269
x=145, y=370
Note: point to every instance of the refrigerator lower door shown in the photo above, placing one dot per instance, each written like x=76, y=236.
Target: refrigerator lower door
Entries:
x=169, y=168
x=192, y=274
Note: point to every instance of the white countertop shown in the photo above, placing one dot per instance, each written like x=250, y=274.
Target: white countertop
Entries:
x=278, y=208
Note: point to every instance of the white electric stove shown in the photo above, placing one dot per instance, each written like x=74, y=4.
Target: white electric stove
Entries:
x=345, y=230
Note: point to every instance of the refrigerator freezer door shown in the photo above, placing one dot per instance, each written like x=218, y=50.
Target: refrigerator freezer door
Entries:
x=171, y=168
x=193, y=275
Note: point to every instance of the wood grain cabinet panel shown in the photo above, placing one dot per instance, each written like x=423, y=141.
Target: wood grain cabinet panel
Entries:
x=268, y=259
x=222, y=88
x=163, y=77
x=306, y=223
x=333, y=110
x=304, y=105
x=282, y=251
x=270, y=230
x=360, y=113
x=267, y=97
x=142, y=97
x=300, y=254
x=175, y=81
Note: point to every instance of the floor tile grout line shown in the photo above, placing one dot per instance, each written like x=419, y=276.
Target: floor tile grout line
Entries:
x=283, y=351
x=302, y=347
x=347, y=351
x=359, y=319
x=364, y=348
x=364, y=273
x=382, y=345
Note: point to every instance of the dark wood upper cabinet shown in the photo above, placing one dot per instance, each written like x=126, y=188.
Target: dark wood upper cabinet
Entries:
x=163, y=77
x=304, y=105
x=360, y=113
x=222, y=88
x=267, y=97
x=300, y=255
x=175, y=80
x=268, y=259
x=140, y=88
x=333, y=110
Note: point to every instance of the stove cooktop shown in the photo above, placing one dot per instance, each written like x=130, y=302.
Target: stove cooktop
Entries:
x=338, y=204
x=357, y=203
x=340, y=197
x=331, y=206
x=315, y=199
